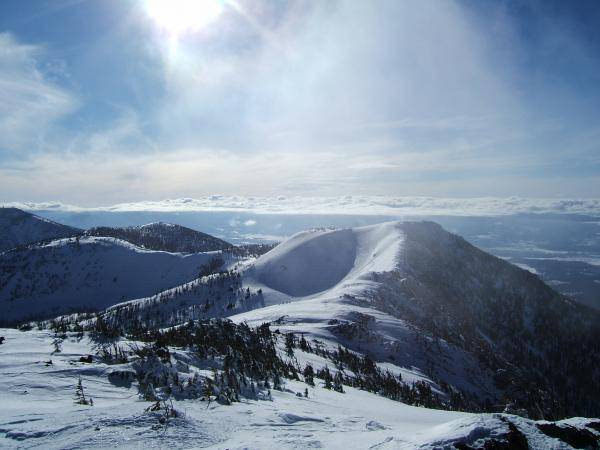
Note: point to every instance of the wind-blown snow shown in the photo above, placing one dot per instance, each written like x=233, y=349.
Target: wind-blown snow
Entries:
x=309, y=262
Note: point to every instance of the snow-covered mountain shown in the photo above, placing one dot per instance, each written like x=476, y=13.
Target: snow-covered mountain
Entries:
x=418, y=300
x=332, y=336
x=88, y=274
x=164, y=237
x=21, y=228
x=426, y=301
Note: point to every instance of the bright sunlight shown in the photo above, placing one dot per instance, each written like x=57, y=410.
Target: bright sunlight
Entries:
x=183, y=16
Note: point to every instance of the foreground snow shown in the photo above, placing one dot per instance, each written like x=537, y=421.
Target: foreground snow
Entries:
x=38, y=411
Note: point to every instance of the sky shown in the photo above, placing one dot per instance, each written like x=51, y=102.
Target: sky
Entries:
x=112, y=101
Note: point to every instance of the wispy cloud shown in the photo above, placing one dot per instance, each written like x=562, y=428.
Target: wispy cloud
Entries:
x=30, y=103
x=298, y=98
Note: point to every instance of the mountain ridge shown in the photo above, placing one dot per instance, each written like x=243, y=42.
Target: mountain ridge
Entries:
x=164, y=237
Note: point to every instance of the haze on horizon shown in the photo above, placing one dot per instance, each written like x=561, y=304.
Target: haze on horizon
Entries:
x=107, y=102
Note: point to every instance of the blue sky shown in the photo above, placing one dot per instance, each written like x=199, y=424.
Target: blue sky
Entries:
x=117, y=101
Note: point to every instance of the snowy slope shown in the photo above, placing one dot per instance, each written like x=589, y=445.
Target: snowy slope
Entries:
x=38, y=410
x=217, y=295
x=89, y=273
x=421, y=302
x=20, y=228
x=320, y=260
x=315, y=261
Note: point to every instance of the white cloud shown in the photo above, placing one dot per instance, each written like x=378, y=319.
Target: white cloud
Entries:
x=30, y=102
x=99, y=177
x=376, y=205
x=338, y=76
x=314, y=100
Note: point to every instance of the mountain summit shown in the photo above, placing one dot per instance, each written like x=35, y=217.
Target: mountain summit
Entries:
x=422, y=302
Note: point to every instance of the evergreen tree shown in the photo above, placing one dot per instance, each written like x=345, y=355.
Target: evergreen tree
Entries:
x=290, y=343
x=80, y=397
x=309, y=375
x=208, y=390
x=337, y=382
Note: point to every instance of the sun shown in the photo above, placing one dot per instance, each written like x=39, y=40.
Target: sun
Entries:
x=183, y=16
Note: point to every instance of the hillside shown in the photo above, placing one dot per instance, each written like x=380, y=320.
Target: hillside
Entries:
x=18, y=228
x=88, y=273
x=164, y=237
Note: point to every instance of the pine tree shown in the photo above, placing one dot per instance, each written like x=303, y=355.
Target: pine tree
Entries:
x=290, y=343
x=309, y=375
x=80, y=398
x=277, y=382
x=207, y=390
x=337, y=382
x=57, y=345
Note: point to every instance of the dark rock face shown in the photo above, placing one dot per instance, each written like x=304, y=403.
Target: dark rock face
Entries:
x=513, y=440
x=575, y=437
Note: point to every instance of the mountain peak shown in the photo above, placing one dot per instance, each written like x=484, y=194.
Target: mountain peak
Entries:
x=417, y=296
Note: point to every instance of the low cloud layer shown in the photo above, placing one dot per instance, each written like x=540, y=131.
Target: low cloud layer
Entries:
x=368, y=205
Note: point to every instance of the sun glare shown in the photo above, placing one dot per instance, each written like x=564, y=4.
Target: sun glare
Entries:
x=183, y=16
